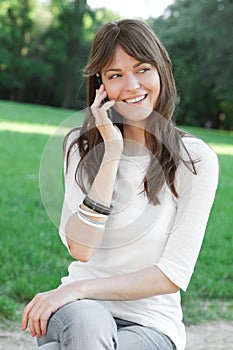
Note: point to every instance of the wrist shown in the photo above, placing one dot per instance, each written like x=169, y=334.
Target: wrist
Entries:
x=112, y=154
x=113, y=148
x=79, y=289
x=73, y=289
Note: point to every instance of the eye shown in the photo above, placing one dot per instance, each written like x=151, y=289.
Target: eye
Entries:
x=144, y=70
x=114, y=76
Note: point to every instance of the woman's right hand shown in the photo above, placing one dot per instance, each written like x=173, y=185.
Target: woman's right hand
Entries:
x=38, y=311
x=110, y=133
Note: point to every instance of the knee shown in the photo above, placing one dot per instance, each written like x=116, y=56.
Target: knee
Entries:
x=85, y=315
x=88, y=324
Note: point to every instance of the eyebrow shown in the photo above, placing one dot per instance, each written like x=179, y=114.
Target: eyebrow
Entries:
x=119, y=70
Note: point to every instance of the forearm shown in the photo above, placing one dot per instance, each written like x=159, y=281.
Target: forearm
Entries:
x=102, y=188
x=131, y=286
x=81, y=237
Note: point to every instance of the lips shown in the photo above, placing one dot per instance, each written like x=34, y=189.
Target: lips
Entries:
x=135, y=99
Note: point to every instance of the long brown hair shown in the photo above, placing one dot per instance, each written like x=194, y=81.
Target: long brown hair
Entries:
x=162, y=139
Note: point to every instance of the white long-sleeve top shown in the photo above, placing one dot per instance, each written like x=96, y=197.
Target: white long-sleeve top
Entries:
x=140, y=235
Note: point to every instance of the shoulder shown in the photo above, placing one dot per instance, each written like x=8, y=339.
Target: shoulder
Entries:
x=203, y=156
x=203, y=175
x=71, y=137
x=199, y=149
x=70, y=147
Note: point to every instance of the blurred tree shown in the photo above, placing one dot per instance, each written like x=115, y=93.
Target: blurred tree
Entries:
x=196, y=35
x=68, y=43
x=15, y=28
x=66, y=49
x=17, y=64
x=43, y=48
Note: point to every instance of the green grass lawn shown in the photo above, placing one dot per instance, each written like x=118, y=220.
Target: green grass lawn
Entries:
x=32, y=256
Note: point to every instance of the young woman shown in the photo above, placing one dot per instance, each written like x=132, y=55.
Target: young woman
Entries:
x=138, y=194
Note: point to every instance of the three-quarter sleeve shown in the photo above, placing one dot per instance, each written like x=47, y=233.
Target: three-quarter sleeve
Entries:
x=196, y=196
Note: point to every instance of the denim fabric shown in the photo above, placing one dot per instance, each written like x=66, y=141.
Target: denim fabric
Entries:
x=87, y=325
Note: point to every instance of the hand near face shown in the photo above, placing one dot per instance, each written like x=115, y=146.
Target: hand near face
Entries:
x=110, y=133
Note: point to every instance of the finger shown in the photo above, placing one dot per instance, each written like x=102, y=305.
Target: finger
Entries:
x=24, y=322
x=36, y=308
x=101, y=94
x=31, y=327
x=102, y=111
x=101, y=115
x=25, y=314
x=107, y=105
x=35, y=319
x=44, y=321
x=39, y=316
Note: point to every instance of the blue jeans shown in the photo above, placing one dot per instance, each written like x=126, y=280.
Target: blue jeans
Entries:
x=87, y=325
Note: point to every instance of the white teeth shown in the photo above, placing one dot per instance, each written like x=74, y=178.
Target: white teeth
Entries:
x=136, y=99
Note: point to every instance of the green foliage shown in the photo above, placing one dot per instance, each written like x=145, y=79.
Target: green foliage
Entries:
x=68, y=50
x=15, y=27
x=213, y=277
x=196, y=35
x=20, y=64
x=32, y=256
x=8, y=307
x=43, y=49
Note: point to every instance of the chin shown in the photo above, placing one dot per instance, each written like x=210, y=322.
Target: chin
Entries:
x=132, y=113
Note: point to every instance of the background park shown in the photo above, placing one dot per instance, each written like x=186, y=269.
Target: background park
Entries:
x=44, y=46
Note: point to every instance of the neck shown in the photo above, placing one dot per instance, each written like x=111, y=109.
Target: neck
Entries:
x=134, y=133
x=134, y=140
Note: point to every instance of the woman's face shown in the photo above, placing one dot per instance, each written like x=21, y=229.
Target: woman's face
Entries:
x=135, y=84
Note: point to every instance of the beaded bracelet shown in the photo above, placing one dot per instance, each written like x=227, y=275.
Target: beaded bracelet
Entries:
x=99, y=208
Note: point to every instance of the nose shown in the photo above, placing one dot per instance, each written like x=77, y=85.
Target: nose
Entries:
x=132, y=83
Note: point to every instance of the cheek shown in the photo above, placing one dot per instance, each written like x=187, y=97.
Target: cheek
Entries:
x=156, y=82
x=112, y=91
x=151, y=83
x=156, y=87
x=112, y=88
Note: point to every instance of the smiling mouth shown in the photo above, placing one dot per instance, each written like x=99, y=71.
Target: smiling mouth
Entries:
x=136, y=99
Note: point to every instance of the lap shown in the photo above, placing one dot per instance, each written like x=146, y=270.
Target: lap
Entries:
x=136, y=337
x=80, y=322
x=88, y=318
